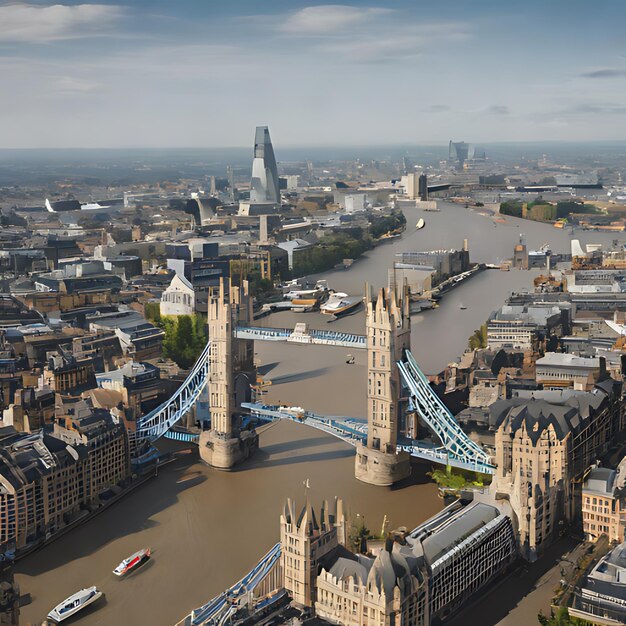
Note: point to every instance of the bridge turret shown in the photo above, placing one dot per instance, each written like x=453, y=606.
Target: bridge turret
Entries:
x=230, y=371
x=388, y=333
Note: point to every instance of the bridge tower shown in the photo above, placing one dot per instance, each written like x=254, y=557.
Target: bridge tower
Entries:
x=231, y=371
x=388, y=332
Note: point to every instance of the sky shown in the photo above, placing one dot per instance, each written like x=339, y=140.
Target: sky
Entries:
x=204, y=73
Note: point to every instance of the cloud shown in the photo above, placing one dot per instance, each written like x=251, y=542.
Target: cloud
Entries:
x=327, y=19
x=35, y=24
x=72, y=85
x=438, y=108
x=497, y=109
x=362, y=35
x=605, y=73
x=597, y=108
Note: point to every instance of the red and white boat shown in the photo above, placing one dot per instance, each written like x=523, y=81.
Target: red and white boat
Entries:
x=132, y=562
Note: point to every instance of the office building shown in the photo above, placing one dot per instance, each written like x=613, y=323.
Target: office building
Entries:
x=603, y=503
x=47, y=479
x=423, y=187
x=557, y=370
x=543, y=445
x=526, y=326
x=264, y=184
x=601, y=599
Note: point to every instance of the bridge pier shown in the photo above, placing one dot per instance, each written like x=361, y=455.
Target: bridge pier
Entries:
x=388, y=334
x=382, y=469
x=230, y=370
x=224, y=452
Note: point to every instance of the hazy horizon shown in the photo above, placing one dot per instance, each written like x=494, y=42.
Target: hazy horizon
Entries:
x=151, y=73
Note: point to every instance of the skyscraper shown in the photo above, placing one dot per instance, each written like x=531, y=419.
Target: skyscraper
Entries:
x=264, y=183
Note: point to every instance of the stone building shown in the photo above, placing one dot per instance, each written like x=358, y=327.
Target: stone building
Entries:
x=387, y=590
x=542, y=446
x=416, y=578
x=70, y=375
x=307, y=544
x=46, y=480
x=604, y=503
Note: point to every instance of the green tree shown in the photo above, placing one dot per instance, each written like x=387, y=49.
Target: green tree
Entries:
x=185, y=338
x=511, y=207
x=561, y=618
x=479, y=338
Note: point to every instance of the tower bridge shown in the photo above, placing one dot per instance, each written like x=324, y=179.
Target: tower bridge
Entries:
x=303, y=335
x=396, y=388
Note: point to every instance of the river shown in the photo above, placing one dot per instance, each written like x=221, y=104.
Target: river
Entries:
x=206, y=527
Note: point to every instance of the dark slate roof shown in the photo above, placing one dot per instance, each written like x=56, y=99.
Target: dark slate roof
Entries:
x=566, y=416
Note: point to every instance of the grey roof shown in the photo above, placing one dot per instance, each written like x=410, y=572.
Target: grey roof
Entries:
x=358, y=568
x=565, y=416
x=119, y=319
x=391, y=567
x=600, y=480
x=607, y=577
x=562, y=359
x=461, y=526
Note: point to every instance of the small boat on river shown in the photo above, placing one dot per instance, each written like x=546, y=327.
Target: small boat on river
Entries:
x=75, y=603
x=132, y=562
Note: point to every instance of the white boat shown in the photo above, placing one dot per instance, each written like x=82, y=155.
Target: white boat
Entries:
x=420, y=223
x=462, y=307
x=133, y=562
x=339, y=303
x=76, y=602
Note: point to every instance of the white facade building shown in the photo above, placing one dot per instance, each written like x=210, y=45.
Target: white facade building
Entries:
x=178, y=298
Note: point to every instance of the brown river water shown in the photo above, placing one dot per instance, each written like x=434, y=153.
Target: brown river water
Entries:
x=207, y=528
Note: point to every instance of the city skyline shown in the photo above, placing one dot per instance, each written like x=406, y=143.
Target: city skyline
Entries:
x=148, y=74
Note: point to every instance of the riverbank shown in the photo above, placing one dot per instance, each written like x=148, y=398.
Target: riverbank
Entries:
x=206, y=527
x=135, y=483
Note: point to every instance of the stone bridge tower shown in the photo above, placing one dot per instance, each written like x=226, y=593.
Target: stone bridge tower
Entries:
x=388, y=332
x=231, y=372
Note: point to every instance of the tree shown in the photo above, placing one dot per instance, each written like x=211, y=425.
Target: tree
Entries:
x=511, y=207
x=479, y=338
x=185, y=338
x=561, y=618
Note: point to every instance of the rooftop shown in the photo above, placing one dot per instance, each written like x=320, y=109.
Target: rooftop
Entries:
x=562, y=359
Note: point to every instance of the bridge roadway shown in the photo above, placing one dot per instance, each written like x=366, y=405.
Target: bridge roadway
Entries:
x=354, y=431
x=302, y=335
x=222, y=608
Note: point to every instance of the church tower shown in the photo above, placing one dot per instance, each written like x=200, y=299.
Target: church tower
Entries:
x=388, y=332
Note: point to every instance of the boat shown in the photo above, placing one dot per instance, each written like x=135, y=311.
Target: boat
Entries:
x=76, y=602
x=339, y=303
x=420, y=223
x=462, y=307
x=132, y=562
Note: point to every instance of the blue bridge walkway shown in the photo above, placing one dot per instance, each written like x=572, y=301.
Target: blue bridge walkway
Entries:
x=303, y=335
x=456, y=449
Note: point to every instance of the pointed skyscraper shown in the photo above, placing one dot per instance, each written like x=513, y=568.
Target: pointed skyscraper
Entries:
x=264, y=185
